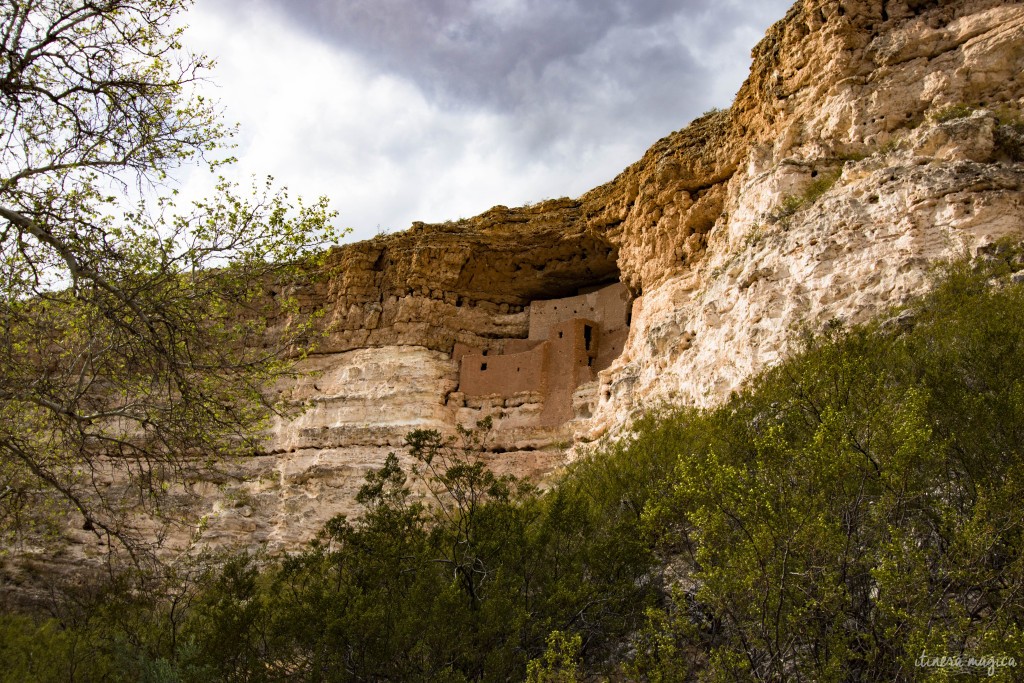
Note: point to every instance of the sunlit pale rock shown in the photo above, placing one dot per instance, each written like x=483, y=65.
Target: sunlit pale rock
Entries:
x=871, y=139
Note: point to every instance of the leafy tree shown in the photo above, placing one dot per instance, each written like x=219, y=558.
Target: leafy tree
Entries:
x=858, y=506
x=559, y=662
x=462, y=486
x=135, y=339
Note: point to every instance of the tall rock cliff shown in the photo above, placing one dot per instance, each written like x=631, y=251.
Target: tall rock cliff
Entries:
x=872, y=138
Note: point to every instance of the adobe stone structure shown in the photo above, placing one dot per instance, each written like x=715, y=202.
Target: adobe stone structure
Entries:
x=570, y=340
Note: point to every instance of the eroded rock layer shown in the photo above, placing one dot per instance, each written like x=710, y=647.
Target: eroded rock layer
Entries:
x=872, y=138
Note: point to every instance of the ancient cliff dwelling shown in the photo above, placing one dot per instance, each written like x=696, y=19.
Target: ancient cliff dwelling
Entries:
x=870, y=141
x=570, y=340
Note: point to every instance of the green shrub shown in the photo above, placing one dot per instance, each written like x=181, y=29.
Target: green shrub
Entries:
x=559, y=664
x=812, y=193
x=858, y=506
x=952, y=112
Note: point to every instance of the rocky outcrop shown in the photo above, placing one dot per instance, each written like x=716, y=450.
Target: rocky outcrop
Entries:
x=871, y=139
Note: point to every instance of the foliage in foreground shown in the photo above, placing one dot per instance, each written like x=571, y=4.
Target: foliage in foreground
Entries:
x=136, y=336
x=855, y=513
x=467, y=588
x=851, y=516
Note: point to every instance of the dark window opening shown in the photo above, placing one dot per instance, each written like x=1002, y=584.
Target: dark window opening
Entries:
x=588, y=335
x=483, y=366
x=590, y=361
x=485, y=352
x=559, y=335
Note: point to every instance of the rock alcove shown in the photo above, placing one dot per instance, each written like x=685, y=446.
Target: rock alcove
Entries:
x=570, y=340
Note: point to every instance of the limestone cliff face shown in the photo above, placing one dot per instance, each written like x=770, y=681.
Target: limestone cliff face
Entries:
x=900, y=115
x=837, y=176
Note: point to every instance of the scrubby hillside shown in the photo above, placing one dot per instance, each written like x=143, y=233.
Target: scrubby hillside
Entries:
x=851, y=514
x=871, y=139
x=805, y=463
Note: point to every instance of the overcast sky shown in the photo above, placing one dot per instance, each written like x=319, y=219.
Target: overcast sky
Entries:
x=403, y=110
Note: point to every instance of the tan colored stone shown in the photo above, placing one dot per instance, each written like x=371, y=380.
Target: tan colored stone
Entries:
x=714, y=232
x=689, y=227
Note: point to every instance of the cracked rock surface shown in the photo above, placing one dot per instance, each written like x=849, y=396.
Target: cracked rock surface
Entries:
x=871, y=139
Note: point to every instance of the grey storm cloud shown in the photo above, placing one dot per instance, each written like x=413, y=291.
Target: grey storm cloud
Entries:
x=429, y=109
x=532, y=57
x=486, y=52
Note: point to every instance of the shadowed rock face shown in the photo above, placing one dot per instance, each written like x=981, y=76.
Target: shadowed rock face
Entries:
x=510, y=256
x=823, y=193
x=434, y=285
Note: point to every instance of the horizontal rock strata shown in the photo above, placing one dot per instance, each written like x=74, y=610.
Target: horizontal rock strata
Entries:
x=871, y=139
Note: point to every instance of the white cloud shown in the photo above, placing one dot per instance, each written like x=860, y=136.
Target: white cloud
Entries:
x=324, y=119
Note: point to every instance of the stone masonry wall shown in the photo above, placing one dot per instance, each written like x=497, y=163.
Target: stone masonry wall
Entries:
x=565, y=348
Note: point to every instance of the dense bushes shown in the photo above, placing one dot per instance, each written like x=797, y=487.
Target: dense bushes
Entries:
x=857, y=511
x=853, y=514
x=467, y=588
